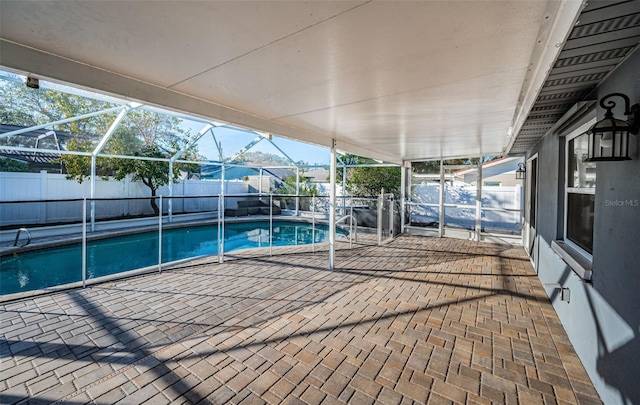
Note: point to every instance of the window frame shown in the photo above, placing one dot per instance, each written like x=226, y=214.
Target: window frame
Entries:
x=582, y=130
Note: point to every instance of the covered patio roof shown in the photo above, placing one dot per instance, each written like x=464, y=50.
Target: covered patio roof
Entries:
x=389, y=80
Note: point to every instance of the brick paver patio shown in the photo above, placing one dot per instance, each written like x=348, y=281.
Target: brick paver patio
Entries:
x=418, y=320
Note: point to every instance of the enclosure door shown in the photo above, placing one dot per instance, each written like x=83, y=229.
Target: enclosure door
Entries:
x=531, y=203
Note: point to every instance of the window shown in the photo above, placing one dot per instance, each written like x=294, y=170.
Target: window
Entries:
x=579, y=194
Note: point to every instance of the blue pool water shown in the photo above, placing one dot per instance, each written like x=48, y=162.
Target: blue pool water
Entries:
x=57, y=266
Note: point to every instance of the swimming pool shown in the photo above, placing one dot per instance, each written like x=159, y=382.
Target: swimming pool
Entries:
x=63, y=265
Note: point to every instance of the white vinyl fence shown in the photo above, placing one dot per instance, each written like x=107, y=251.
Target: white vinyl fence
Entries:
x=501, y=207
x=36, y=188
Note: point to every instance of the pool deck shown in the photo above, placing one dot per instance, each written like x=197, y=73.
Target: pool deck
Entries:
x=416, y=320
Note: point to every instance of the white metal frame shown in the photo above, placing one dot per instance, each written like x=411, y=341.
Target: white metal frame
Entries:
x=529, y=202
x=208, y=126
x=442, y=230
x=479, y=201
x=332, y=206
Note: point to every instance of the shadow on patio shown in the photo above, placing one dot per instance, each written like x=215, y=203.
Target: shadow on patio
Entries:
x=419, y=319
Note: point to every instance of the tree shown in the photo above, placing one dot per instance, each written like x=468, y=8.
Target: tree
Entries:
x=153, y=174
x=20, y=105
x=433, y=166
x=258, y=158
x=368, y=181
x=10, y=165
x=305, y=187
x=138, y=136
x=349, y=159
x=78, y=167
x=142, y=133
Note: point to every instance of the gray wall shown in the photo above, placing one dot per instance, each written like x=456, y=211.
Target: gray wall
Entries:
x=602, y=319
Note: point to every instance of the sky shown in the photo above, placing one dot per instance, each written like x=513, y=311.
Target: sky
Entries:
x=232, y=140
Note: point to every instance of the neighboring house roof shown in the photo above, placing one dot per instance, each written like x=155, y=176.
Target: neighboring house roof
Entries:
x=492, y=168
x=278, y=173
x=29, y=139
x=30, y=157
x=317, y=175
x=43, y=138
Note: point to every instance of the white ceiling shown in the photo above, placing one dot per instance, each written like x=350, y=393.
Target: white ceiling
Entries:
x=399, y=80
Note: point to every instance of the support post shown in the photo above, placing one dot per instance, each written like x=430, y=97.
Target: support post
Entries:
x=297, y=191
x=160, y=235
x=351, y=222
x=170, y=213
x=379, y=217
x=403, y=195
x=410, y=194
x=479, y=202
x=220, y=258
x=332, y=206
x=344, y=190
x=84, y=242
x=392, y=205
x=442, y=185
x=93, y=193
x=270, y=224
x=221, y=211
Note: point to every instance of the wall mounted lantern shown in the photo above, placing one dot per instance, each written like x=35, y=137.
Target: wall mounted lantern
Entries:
x=609, y=137
x=520, y=172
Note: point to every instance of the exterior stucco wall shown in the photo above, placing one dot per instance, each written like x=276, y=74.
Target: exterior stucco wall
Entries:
x=602, y=318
